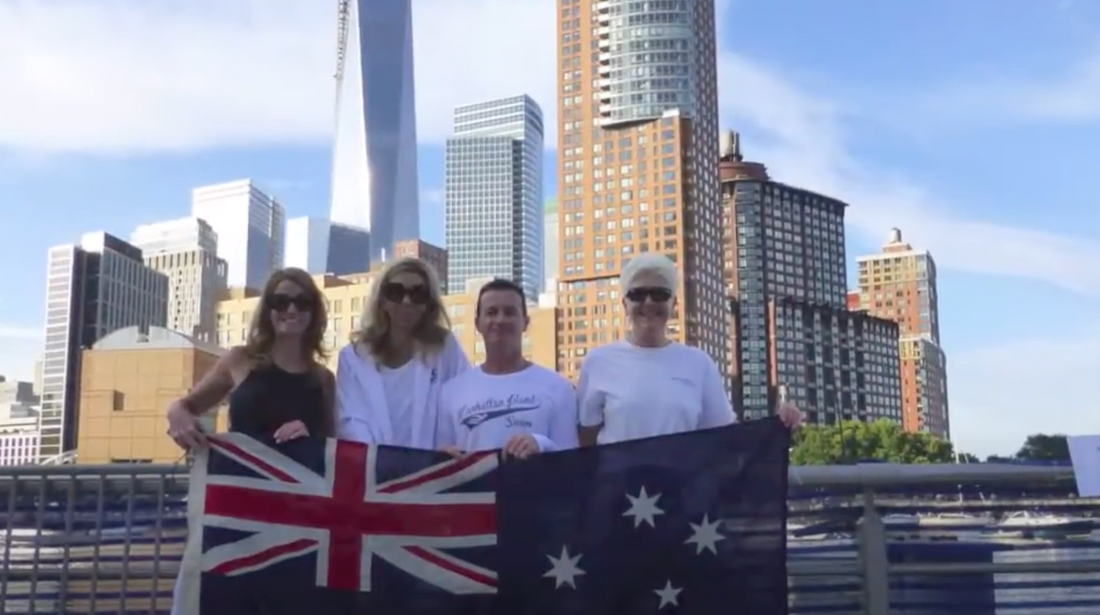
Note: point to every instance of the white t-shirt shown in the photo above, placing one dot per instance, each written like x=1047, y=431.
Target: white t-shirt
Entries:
x=481, y=412
x=398, y=385
x=637, y=392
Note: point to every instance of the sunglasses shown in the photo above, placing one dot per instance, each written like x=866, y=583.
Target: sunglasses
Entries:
x=655, y=294
x=396, y=293
x=281, y=303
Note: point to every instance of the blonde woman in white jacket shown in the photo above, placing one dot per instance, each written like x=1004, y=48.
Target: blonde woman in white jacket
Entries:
x=389, y=377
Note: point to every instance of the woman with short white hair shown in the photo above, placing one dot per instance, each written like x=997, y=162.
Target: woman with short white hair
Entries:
x=648, y=385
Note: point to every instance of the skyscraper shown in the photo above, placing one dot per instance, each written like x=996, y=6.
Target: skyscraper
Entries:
x=374, y=175
x=93, y=288
x=349, y=249
x=250, y=225
x=186, y=250
x=550, y=246
x=307, y=244
x=493, y=196
x=637, y=170
x=321, y=246
x=899, y=283
x=175, y=235
x=430, y=254
x=791, y=331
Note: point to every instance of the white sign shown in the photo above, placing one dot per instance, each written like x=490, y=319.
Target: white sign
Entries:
x=1084, y=451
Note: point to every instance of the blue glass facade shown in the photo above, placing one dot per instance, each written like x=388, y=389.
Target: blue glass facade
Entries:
x=374, y=175
x=650, y=58
x=493, y=196
x=348, y=250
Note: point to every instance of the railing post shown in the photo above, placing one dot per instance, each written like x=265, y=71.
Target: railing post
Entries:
x=873, y=559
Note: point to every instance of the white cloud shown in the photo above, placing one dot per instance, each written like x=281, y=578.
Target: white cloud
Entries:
x=980, y=99
x=120, y=76
x=802, y=137
x=124, y=77
x=1001, y=394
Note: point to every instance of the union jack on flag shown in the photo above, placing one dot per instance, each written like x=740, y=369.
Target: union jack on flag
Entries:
x=684, y=524
x=301, y=520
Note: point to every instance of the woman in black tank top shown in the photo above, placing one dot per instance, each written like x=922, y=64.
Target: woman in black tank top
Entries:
x=270, y=397
x=277, y=383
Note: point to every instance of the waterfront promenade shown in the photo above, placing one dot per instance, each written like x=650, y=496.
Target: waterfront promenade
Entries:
x=875, y=539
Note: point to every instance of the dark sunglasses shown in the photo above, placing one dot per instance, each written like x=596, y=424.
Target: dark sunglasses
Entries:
x=281, y=303
x=655, y=294
x=396, y=292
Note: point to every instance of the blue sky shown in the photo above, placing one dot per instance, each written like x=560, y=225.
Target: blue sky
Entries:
x=974, y=126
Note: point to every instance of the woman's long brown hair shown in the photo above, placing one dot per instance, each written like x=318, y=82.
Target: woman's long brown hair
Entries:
x=261, y=333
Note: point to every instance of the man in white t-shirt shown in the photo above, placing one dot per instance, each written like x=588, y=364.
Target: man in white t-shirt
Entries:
x=507, y=402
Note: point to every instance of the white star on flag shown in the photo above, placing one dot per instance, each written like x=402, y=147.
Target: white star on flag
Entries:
x=564, y=569
x=643, y=508
x=705, y=536
x=668, y=595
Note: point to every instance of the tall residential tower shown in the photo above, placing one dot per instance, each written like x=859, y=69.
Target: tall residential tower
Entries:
x=493, y=199
x=637, y=166
x=899, y=283
x=791, y=331
x=374, y=181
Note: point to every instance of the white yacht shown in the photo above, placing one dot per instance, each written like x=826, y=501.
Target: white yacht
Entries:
x=1028, y=521
x=900, y=521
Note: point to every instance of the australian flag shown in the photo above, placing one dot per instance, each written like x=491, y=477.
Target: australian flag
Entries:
x=693, y=524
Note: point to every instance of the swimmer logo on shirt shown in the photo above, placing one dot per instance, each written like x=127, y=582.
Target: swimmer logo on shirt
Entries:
x=493, y=408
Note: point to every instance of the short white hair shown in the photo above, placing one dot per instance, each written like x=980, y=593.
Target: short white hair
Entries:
x=653, y=264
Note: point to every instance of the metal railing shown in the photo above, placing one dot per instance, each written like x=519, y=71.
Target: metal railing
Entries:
x=108, y=539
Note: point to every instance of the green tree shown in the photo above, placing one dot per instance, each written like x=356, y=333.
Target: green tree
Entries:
x=854, y=441
x=1043, y=447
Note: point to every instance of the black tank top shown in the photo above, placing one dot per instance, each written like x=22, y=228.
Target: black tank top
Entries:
x=270, y=397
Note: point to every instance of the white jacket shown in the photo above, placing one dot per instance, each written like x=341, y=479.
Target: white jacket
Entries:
x=362, y=413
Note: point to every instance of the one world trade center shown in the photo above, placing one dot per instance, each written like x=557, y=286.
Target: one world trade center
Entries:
x=374, y=175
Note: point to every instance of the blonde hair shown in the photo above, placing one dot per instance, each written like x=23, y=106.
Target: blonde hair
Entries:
x=374, y=325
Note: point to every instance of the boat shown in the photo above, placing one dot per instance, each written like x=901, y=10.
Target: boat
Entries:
x=957, y=520
x=900, y=521
x=1034, y=523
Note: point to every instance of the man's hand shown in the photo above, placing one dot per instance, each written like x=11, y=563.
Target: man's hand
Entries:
x=521, y=447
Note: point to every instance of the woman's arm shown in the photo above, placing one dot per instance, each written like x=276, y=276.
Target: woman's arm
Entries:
x=717, y=409
x=216, y=384
x=350, y=400
x=590, y=402
x=446, y=436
